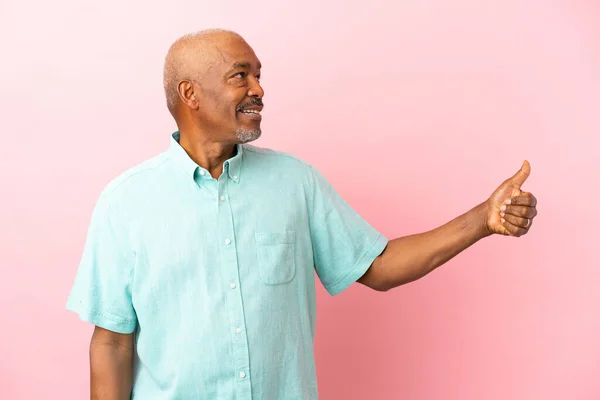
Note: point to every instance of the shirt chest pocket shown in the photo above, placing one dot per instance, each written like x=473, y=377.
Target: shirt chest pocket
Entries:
x=276, y=254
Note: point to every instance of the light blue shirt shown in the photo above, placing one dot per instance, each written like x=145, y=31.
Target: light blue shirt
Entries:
x=217, y=277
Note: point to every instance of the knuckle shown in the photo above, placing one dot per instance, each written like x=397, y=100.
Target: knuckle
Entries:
x=533, y=200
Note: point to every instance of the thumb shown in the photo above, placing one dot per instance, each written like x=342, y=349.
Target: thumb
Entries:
x=519, y=178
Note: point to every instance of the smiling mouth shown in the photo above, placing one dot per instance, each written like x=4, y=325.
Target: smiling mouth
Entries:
x=250, y=112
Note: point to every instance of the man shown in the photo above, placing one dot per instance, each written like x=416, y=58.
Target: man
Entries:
x=199, y=265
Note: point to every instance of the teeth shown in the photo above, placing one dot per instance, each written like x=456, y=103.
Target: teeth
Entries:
x=251, y=111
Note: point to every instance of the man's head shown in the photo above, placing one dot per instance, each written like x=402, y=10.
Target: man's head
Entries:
x=211, y=81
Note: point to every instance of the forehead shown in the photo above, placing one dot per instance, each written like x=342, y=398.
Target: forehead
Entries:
x=234, y=52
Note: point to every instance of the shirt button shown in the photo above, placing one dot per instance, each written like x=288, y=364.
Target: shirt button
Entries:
x=242, y=374
x=239, y=330
x=202, y=172
x=232, y=285
x=222, y=198
x=235, y=177
x=227, y=241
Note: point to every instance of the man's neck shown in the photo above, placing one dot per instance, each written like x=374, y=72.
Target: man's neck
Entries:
x=208, y=154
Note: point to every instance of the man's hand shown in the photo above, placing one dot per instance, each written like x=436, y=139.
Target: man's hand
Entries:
x=510, y=211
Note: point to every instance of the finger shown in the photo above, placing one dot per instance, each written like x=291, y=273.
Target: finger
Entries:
x=519, y=178
x=525, y=199
x=519, y=211
x=512, y=229
x=519, y=222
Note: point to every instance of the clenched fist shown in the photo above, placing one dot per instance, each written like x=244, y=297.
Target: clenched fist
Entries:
x=510, y=211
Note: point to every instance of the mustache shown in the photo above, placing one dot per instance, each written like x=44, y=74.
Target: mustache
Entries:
x=255, y=101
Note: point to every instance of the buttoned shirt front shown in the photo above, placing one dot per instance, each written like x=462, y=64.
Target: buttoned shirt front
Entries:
x=216, y=277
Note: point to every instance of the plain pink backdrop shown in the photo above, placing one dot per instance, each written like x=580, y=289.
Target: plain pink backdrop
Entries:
x=414, y=110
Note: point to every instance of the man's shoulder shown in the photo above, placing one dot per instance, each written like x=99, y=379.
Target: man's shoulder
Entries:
x=276, y=157
x=136, y=177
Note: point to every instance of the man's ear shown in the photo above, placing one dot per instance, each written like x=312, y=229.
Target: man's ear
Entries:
x=188, y=95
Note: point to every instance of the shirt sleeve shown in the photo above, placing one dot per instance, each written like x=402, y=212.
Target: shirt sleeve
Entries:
x=344, y=244
x=101, y=293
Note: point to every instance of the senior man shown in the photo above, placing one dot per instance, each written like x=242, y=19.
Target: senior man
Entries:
x=198, y=270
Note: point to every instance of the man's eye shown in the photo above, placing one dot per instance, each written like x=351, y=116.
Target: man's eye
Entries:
x=240, y=75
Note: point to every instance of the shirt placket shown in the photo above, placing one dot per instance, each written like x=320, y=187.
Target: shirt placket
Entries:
x=229, y=267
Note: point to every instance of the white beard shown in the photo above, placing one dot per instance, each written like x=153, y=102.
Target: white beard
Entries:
x=247, y=135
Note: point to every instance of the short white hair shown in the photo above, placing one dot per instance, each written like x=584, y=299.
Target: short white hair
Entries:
x=181, y=61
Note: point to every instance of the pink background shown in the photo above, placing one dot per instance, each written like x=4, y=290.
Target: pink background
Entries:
x=414, y=110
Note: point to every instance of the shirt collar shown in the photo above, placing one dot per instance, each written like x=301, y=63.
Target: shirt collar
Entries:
x=233, y=166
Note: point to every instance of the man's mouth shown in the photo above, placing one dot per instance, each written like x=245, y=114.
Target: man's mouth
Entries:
x=250, y=112
x=251, y=109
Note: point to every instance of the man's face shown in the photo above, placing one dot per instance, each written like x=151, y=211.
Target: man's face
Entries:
x=230, y=94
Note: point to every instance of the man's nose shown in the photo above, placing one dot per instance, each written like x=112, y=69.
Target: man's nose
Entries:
x=255, y=89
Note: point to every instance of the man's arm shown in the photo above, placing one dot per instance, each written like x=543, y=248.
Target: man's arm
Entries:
x=111, y=365
x=508, y=211
x=409, y=258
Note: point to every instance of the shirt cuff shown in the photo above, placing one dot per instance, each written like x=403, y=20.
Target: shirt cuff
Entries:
x=359, y=269
x=100, y=319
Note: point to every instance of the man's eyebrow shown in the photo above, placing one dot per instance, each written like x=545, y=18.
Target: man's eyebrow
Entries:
x=242, y=65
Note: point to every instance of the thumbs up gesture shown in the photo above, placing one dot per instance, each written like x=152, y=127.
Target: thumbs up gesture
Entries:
x=510, y=210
